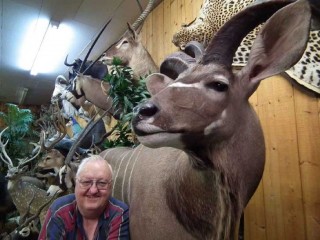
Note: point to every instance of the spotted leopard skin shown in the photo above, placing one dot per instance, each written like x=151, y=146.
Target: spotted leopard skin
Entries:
x=242, y=54
x=214, y=13
x=307, y=70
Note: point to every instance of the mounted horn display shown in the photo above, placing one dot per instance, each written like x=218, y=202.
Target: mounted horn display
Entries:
x=83, y=71
x=194, y=49
x=175, y=64
x=143, y=16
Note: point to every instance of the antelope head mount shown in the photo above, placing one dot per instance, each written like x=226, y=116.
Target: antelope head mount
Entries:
x=130, y=50
x=201, y=107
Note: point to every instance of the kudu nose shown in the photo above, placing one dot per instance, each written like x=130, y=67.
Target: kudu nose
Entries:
x=147, y=109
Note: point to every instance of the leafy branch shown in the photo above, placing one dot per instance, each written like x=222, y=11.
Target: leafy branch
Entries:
x=126, y=93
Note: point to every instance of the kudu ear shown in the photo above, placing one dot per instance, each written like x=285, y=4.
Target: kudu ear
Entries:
x=156, y=82
x=279, y=45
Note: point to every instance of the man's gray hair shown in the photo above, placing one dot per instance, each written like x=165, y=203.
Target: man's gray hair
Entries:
x=91, y=159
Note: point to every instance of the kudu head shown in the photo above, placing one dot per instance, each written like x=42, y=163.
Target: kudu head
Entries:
x=201, y=105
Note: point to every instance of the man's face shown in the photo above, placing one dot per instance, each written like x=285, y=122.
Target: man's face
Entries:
x=93, y=188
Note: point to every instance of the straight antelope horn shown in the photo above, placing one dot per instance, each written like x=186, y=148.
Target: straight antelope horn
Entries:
x=94, y=43
x=107, y=134
x=136, y=24
x=82, y=135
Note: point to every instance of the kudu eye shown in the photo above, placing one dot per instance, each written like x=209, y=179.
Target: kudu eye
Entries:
x=218, y=86
x=125, y=41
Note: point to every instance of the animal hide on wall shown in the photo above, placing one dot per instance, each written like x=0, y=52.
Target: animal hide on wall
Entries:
x=214, y=14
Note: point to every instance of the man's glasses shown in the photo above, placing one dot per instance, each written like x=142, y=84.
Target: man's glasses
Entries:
x=100, y=184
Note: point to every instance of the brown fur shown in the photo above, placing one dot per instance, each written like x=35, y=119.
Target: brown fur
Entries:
x=203, y=154
x=132, y=54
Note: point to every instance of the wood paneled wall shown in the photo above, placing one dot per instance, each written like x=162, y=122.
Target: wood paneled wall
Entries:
x=286, y=206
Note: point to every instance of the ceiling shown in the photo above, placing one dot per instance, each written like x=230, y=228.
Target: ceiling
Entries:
x=85, y=17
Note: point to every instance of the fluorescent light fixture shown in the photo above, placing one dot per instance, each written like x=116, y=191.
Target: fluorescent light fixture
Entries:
x=46, y=49
x=45, y=46
x=32, y=42
x=22, y=95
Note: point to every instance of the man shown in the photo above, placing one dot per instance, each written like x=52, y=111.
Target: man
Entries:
x=91, y=213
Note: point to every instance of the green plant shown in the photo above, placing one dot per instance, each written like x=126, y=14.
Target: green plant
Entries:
x=126, y=93
x=19, y=132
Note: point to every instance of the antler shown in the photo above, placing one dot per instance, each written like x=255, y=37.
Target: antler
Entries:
x=5, y=157
x=26, y=160
x=3, y=154
x=59, y=125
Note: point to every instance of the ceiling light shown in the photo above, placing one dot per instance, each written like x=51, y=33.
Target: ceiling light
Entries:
x=45, y=46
